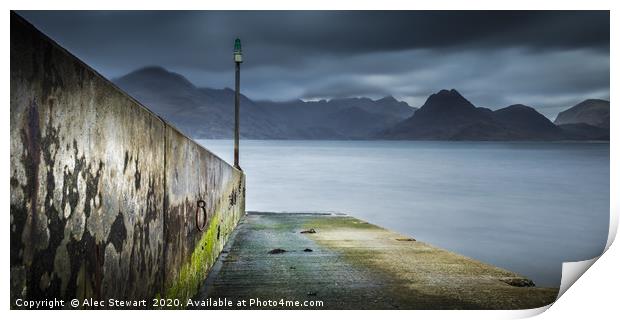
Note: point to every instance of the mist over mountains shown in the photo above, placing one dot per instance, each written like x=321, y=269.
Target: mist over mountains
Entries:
x=446, y=115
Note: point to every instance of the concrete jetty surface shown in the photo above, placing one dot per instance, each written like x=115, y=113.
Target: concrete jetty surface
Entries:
x=339, y=262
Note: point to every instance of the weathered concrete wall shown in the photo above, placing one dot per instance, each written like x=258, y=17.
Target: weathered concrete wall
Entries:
x=188, y=168
x=103, y=192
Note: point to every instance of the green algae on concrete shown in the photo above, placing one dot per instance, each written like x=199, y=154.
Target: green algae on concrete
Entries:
x=195, y=270
x=356, y=265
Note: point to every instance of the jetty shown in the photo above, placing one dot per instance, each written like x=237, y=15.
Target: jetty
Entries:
x=340, y=262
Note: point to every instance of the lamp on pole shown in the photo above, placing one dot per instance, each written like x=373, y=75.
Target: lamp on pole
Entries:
x=238, y=57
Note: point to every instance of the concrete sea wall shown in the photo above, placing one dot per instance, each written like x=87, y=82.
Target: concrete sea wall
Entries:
x=104, y=193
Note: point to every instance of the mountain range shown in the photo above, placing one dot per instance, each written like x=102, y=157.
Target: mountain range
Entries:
x=446, y=115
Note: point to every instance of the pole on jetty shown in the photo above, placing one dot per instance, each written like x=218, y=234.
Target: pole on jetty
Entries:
x=238, y=57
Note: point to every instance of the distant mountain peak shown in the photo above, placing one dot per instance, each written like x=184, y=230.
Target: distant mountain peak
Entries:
x=521, y=112
x=155, y=75
x=153, y=71
x=348, y=99
x=152, y=68
x=595, y=101
x=387, y=99
x=450, y=92
x=519, y=107
x=594, y=112
x=446, y=100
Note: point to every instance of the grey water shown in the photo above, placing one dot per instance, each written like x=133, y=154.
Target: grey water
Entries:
x=526, y=207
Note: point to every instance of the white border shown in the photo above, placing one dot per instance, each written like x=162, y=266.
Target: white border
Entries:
x=593, y=295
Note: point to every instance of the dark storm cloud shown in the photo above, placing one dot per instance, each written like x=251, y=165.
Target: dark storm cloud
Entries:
x=492, y=57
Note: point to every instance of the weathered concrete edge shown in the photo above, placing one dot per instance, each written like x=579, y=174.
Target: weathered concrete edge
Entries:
x=341, y=214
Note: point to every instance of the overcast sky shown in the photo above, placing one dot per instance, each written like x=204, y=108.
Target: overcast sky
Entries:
x=547, y=60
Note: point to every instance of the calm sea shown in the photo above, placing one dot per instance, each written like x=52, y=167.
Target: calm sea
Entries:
x=526, y=207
